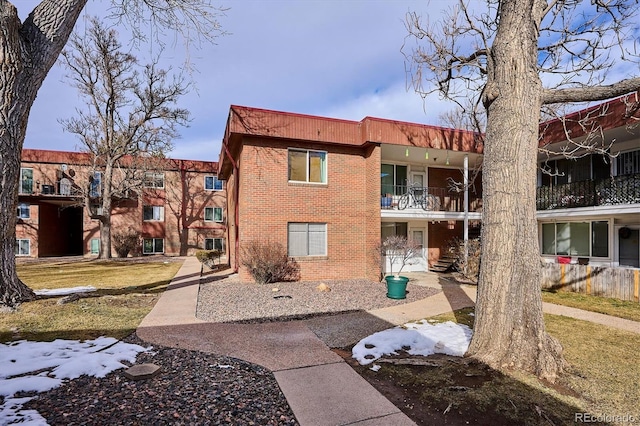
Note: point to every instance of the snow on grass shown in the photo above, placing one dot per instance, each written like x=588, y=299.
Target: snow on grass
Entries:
x=65, y=291
x=41, y=366
x=419, y=338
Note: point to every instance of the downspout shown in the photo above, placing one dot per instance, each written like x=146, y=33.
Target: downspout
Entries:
x=236, y=194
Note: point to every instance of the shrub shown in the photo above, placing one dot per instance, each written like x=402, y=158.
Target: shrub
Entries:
x=471, y=268
x=209, y=257
x=399, y=249
x=268, y=262
x=125, y=242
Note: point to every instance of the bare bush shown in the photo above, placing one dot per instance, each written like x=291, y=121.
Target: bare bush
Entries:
x=399, y=249
x=468, y=265
x=268, y=262
x=209, y=257
x=125, y=242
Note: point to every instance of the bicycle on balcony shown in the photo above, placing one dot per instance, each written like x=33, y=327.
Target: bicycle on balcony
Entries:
x=418, y=196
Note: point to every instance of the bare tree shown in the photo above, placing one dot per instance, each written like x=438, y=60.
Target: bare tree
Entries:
x=28, y=50
x=499, y=55
x=129, y=121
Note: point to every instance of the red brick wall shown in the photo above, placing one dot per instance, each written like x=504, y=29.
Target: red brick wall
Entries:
x=348, y=204
x=440, y=233
x=439, y=178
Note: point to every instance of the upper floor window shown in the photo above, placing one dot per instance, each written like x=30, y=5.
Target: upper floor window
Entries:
x=153, y=213
x=26, y=181
x=95, y=188
x=393, y=179
x=307, y=166
x=212, y=183
x=628, y=163
x=307, y=239
x=213, y=214
x=154, y=180
x=24, y=212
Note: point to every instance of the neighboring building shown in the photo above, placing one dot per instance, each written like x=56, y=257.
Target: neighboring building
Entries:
x=330, y=189
x=182, y=208
x=589, y=207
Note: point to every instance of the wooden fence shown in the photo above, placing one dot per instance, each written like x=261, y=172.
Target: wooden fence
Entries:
x=619, y=283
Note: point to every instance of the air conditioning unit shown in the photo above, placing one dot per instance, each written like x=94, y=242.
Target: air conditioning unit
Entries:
x=48, y=189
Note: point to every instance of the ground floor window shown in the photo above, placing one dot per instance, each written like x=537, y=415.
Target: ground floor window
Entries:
x=214, y=244
x=95, y=246
x=588, y=239
x=389, y=229
x=23, y=247
x=153, y=246
x=307, y=239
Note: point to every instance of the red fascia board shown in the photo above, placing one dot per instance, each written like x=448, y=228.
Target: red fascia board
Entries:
x=616, y=115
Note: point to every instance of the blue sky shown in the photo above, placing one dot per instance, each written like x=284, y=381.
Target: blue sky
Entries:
x=331, y=58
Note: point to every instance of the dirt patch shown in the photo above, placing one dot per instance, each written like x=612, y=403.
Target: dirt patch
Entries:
x=447, y=390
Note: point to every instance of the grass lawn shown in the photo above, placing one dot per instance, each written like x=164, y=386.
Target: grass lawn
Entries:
x=127, y=291
x=602, y=379
x=615, y=307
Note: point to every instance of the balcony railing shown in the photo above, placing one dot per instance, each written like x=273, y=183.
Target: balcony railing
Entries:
x=606, y=192
x=440, y=199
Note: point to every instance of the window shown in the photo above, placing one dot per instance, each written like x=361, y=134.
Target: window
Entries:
x=628, y=163
x=213, y=214
x=26, y=181
x=393, y=179
x=96, y=209
x=95, y=189
x=153, y=246
x=307, y=239
x=95, y=246
x=152, y=213
x=24, y=211
x=153, y=180
x=23, y=247
x=214, y=244
x=307, y=166
x=388, y=229
x=211, y=183
x=588, y=239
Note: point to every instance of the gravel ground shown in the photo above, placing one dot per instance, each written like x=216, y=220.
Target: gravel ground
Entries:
x=228, y=300
x=192, y=388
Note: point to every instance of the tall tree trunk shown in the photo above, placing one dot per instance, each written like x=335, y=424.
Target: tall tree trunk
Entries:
x=27, y=52
x=105, y=219
x=509, y=329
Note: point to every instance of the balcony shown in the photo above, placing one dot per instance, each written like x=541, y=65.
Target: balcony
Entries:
x=430, y=199
x=606, y=192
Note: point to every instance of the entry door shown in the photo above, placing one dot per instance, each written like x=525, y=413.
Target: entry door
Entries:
x=420, y=263
x=629, y=249
x=418, y=179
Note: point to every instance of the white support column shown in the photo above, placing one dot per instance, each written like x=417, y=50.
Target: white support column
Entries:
x=466, y=210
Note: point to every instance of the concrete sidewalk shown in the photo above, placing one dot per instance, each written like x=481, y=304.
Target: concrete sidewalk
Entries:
x=319, y=386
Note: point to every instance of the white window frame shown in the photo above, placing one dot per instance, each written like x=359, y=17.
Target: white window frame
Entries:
x=569, y=222
x=18, y=251
x=291, y=234
x=151, y=180
x=213, y=243
x=213, y=214
x=215, y=182
x=22, y=179
x=95, y=190
x=157, y=213
x=95, y=241
x=154, y=246
x=324, y=173
x=24, y=207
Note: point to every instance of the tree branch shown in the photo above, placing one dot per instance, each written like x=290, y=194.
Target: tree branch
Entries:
x=593, y=93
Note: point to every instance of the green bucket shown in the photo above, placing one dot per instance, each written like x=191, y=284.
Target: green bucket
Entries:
x=396, y=287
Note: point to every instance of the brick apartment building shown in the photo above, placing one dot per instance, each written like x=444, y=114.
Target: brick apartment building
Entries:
x=181, y=209
x=329, y=189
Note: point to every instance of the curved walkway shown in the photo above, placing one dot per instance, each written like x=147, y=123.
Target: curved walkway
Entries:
x=319, y=386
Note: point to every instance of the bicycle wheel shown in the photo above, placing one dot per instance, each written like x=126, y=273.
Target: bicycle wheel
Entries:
x=403, y=202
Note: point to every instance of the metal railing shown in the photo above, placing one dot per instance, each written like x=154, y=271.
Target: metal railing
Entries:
x=589, y=193
x=440, y=198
